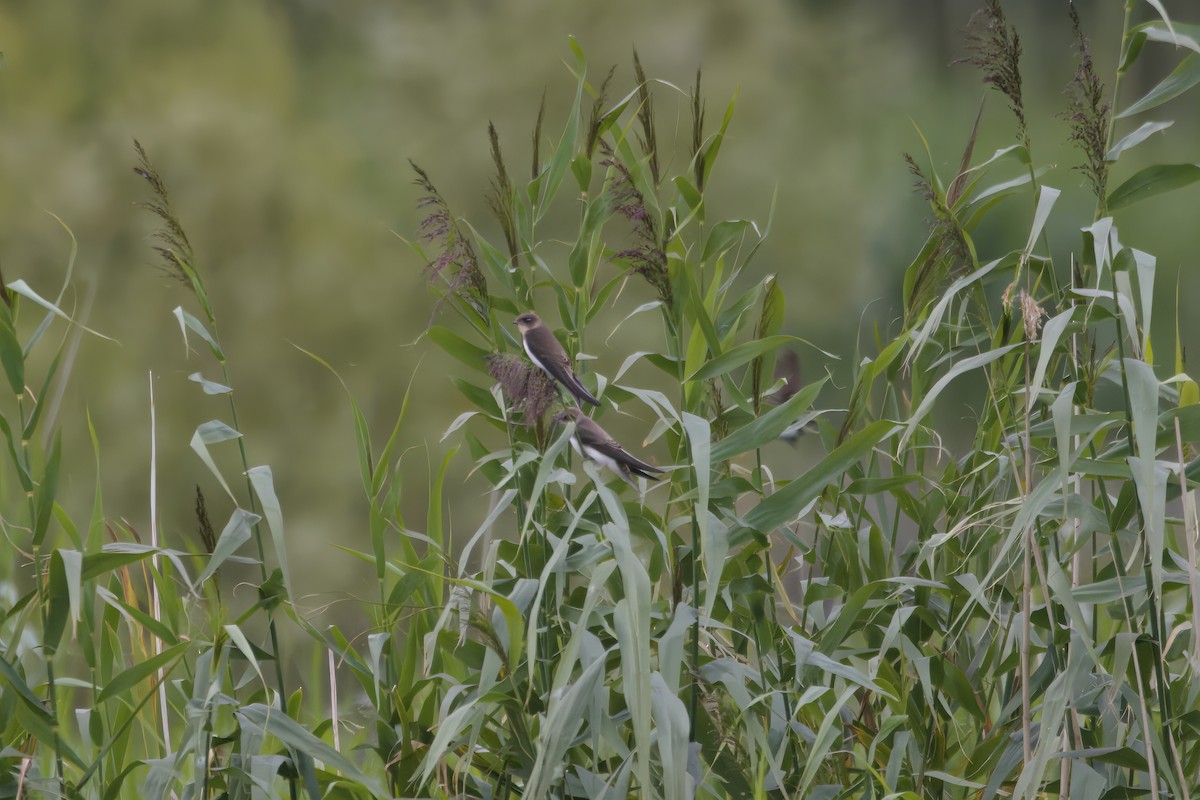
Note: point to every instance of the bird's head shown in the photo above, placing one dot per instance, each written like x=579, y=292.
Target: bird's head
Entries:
x=527, y=321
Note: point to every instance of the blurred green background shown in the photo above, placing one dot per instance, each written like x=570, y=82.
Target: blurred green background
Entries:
x=283, y=129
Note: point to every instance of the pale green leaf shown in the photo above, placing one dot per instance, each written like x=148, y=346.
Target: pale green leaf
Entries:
x=188, y=322
x=737, y=356
x=126, y=680
x=1143, y=132
x=298, y=738
x=783, y=506
x=236, y=533
x=1183, y=78
x=25, y=290
x=263, y=482
x=209, y=433
x=1151, y=181
x=209, y=387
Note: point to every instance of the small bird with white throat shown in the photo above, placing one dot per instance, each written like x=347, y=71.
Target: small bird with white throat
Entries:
x=549, y=356
x=593, y=442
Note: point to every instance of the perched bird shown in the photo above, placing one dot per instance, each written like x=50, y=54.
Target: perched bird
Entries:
x=787, y=369
x=592, y=441
x=545, y=351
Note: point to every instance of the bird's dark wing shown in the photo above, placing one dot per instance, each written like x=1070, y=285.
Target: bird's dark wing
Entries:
x=578, y=389
x=592, y=436
x=637, y=466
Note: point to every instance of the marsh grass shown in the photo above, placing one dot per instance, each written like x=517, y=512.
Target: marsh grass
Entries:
x=911, y=616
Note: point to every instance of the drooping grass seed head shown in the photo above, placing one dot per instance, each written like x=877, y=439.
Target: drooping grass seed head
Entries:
x=995, y=49
x=529, y=390
x=455, y=265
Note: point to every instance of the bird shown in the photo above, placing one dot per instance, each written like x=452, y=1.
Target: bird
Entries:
x=787, y=369
x=548, y=355
x=592, y=441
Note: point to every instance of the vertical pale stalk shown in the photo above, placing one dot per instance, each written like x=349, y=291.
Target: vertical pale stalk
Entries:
x=155, y=601
x=1177, y=762
x=1077, y=561
x=1144, y=714
x=1026, y=578
x=1155, y=610
x=1064, y=767
x=333, y=703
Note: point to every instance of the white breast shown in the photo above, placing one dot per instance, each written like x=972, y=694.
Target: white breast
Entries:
x=532, y=357
x=602, y=459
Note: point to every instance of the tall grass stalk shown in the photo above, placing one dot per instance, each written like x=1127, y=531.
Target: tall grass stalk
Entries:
x=155, y=601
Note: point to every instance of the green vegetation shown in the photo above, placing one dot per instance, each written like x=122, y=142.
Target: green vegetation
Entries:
x=913, y=615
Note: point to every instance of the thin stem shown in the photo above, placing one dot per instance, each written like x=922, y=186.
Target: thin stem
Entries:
x=784, y=667
x=42, y=576
x=675, y=330
x=262, y=564
x=543, y=667
x=1157, y=620
x=1026, y=579
x=155, y=600
x=129, y=720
